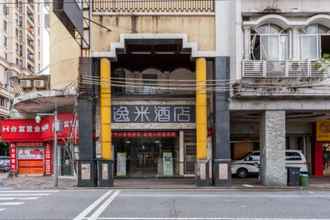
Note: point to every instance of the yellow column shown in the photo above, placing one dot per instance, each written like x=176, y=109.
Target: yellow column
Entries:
x=201, y=109
x=105, y=109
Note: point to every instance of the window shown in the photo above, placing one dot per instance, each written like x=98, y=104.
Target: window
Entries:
x=255, y=156
x=292, y=156
x=5, y=26
x=5, y=9
x=149, y=81
x=5, y=41
x=269, y=42
x=314, y=42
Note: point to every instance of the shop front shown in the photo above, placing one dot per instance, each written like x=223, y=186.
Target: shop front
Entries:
x=322, y=149
x=31, y=143
x=152, y=139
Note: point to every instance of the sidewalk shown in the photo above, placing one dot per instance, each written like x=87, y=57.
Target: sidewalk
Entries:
x=47, y=182
x=35, y=182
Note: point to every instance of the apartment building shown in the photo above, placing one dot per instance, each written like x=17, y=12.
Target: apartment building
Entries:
x=20, y=45
x=280, y=88
x=197, y=84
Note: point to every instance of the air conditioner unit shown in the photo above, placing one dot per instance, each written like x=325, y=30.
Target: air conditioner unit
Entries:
x=297, y=68
x=276, y=68
x=26, y=84
x=257, y=66
x=39, y=84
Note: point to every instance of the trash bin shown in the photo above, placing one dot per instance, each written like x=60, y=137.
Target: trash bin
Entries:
x=304, y=179
x=293, y=176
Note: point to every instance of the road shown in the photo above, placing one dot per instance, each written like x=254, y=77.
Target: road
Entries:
x=103, y=204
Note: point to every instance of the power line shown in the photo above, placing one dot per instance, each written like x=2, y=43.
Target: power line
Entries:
x=107, y=1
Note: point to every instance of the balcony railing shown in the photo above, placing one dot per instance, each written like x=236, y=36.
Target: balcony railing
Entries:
x=282, y=69
x=128, y=7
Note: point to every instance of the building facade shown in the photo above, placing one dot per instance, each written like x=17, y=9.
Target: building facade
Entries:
x=183, y=88
x=20, y=45
x=281, y=89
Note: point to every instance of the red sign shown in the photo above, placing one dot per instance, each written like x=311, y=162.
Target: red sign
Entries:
x=146, y=134
x=48, y=160
x=12, y=153
x=25, y=130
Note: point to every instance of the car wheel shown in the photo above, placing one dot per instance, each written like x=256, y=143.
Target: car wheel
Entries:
x=242, y=172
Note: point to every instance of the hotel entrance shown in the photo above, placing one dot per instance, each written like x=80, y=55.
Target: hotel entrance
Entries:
x=146, y=156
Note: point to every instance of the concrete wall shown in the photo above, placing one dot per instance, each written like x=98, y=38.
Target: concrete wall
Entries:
x=287, y=5
x=64, y=53
x=199, y=29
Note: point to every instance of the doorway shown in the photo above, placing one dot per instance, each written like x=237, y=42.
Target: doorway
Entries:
x=145, y=157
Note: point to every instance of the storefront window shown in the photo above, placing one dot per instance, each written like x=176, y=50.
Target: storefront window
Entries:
x=146, y=157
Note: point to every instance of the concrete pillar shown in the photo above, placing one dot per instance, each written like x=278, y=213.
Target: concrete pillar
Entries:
x=181, y=153
x=247, y=44
x=106, y=165
x=272, y=144
x=86, y=112
x=221, y=150
x=295, y=55
x=201, y=123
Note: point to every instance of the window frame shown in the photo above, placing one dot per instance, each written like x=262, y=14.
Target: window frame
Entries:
x=318, y=37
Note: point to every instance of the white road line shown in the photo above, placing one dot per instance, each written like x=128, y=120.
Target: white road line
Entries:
x=101, y=209
x=3, y=209
x=226, y=196
x=28, y=191
x=10, y=203
x=13, y=198
x=86, y=211
x=183, y=218
x=24, y=194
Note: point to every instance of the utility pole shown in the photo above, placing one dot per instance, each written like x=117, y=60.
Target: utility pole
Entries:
x=55, y=157
x=55, y=149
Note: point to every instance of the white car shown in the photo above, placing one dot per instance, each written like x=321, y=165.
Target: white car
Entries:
x=250, y=163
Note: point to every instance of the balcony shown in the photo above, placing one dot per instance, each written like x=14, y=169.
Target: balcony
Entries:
x=152, y=7
x=283, y=69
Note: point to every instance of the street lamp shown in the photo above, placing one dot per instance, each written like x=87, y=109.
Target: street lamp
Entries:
x=56, y=129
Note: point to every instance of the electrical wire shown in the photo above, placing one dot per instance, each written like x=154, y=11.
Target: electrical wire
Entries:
x=107, y=1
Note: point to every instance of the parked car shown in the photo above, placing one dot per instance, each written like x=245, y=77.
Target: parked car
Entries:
x=250, y=164
x=4, y=164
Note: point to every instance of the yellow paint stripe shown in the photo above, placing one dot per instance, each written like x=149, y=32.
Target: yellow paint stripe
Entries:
x=201, y=109
x=105, y=109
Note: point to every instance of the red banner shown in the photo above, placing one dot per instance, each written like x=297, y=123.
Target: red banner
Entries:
x=48, y=160
x=12, y=153
x=146, y=134
x=26, y=130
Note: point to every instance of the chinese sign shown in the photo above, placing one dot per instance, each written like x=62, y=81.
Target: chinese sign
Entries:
x=48, y=160
x=30, y=153
x=12, y=152
x=19, y=130
x=323, y=130
x=153, y=114
x=146, y=134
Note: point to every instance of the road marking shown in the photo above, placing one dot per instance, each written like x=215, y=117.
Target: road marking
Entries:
x=282, y=196
x=183, y=218
x=85, y=212
x=23, y=198
x=23, y=194
x=10, y=203
x=3, y=209
x=29, y=191
x=101, y=209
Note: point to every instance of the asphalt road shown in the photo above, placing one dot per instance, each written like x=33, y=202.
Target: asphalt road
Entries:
x=103, y=204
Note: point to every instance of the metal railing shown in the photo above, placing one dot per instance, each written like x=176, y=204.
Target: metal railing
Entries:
x=180, y=7
x=282, y=69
